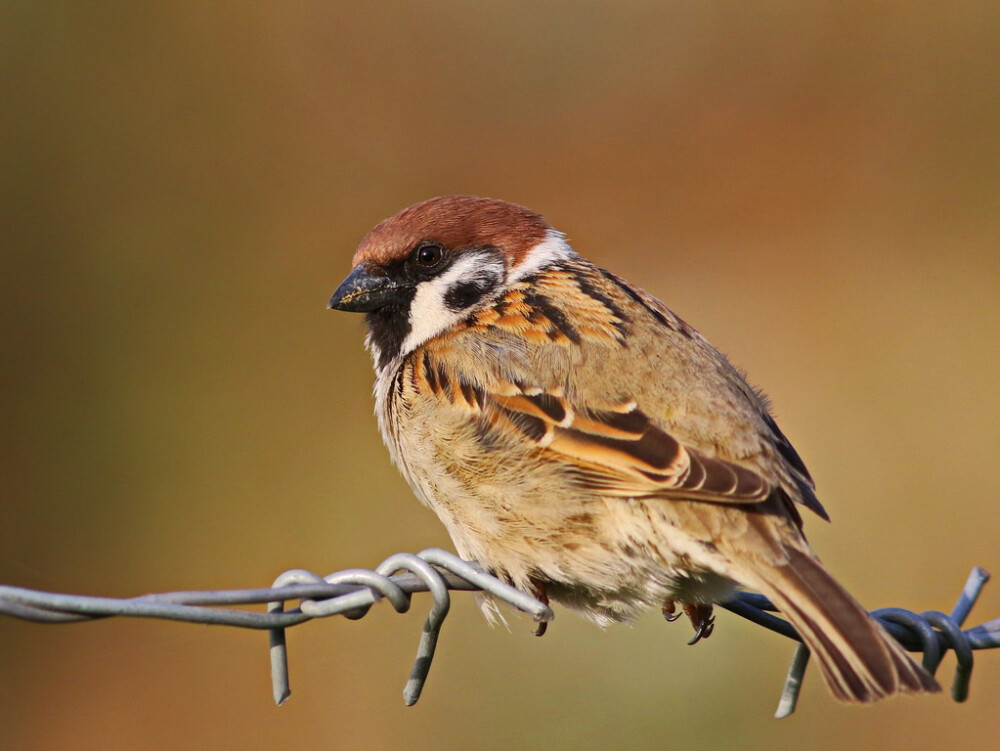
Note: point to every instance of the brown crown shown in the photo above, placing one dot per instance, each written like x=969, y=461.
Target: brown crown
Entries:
x=456, y=222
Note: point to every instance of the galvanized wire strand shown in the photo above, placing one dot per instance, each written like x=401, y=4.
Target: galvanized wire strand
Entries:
x=386, y=582
x=432, y=626
x=352, y=592
x=793, y=682
x=952, y=632
x=931, y=632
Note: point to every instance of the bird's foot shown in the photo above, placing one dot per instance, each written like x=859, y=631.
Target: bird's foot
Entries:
x=539, y=592
x=670, y=613
x=702, y=620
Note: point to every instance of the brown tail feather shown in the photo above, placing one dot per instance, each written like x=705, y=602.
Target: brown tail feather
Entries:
x=860, y=661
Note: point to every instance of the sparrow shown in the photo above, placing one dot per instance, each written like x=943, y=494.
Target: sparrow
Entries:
x=582, y=442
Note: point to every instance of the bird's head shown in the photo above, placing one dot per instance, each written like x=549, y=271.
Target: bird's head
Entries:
x=417, y=273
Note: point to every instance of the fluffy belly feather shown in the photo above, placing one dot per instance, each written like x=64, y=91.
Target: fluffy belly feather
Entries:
x=609, y=561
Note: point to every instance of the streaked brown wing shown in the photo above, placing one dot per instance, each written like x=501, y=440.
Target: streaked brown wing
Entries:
x=619, y=451
x=615, y=449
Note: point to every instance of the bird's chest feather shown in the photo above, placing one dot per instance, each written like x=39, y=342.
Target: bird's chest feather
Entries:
x=482, y=479
x=523, y=516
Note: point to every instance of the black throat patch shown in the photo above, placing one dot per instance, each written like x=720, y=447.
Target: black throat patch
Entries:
x=390, y=326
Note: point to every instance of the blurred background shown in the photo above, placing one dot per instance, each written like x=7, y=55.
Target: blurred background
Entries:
x=815, y=186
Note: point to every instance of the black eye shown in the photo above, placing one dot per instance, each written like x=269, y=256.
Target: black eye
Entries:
x=428, y=255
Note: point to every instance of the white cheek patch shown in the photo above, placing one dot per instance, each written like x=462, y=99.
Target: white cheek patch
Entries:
x=429, y=313
x=553, y=248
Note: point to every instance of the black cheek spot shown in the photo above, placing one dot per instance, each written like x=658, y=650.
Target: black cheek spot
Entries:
x=463, y=295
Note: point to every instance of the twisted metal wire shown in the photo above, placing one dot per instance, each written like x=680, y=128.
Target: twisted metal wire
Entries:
x=352, y=592
x=931, y=632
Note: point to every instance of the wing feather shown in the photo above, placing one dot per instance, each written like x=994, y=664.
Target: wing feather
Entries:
x=575, y=319
x=615, y=449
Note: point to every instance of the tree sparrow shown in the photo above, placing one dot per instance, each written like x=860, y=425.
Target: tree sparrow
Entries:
x=581, y=441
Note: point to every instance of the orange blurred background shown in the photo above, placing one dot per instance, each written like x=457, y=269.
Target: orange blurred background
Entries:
x=816, y=186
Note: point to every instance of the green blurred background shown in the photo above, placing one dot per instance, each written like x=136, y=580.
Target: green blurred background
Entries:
x=814, y=185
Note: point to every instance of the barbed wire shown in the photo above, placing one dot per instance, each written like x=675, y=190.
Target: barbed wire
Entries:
x=931, y=632
x=352, y=593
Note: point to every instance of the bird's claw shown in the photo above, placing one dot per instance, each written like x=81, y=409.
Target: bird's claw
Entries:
x=539, y=592
x=702, y=620
x=670, y=613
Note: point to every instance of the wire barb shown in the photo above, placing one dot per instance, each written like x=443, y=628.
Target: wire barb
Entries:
x=421, y=574
x=931, y=632
x=352, y=592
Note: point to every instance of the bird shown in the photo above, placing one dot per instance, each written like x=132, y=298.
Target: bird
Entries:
x=584, y=443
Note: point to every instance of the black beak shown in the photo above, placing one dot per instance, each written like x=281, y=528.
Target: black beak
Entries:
x=363, y=291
